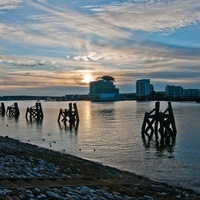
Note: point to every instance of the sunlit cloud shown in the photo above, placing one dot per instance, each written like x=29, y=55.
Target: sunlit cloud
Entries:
x=41, y=78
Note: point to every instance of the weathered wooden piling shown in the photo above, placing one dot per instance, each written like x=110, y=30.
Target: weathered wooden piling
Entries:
x=35, y=112
x=13, y=110
x=69, y=115
x=159, y=123
x=2, y=109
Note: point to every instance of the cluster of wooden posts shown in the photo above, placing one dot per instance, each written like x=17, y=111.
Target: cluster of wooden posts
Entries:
x=69, y=115
x=159, y=124
x=12, y=110
x=155, y=123
x=36, y=113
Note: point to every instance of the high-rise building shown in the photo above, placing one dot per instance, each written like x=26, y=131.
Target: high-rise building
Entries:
x=143, y=87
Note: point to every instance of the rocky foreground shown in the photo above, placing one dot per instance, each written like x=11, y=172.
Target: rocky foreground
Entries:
x=33, y=173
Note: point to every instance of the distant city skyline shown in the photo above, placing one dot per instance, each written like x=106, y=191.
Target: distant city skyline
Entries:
x=50, y=47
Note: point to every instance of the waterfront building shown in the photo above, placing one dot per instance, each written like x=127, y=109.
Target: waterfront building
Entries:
x=191, y=92
x=144, y=87
x=173, y=91
x=177, y=91
x=103, y=88
x=103, y=85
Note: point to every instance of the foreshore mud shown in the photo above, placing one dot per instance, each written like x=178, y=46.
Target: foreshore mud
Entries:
x=31, y=172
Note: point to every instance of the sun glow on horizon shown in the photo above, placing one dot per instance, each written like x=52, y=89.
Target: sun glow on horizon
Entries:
x=87, y=78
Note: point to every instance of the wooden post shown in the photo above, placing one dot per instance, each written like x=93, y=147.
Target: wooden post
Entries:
x=27, y=111
x=16, y=109
x=76, y=112
x=65, y=115
x=2, y=109
x=172, y=120
x=39, y=112
x=156, y=119
x=32, y=114
x=161, y=129
x=60, y=114
x=71, y=118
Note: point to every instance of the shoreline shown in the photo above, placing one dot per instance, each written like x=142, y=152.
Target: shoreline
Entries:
x=31, y=172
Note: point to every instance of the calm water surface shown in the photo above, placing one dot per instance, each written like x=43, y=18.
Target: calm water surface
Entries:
x=114, y=130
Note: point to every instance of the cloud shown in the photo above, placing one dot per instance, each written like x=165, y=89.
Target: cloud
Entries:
x=65, y=21
x=17, y=61
x=42, y=1
x=61, y=42
x=56, y=28
x=150, y=15
x=9, y=4
x=30, y=63
x=24, y=79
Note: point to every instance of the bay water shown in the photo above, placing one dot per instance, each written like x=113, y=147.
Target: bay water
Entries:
x=110, y=133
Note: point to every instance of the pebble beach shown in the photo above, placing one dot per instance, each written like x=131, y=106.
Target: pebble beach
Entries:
x=30, y=172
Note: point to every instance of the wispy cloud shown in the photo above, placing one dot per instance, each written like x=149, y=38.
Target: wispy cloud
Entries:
x=17, y=61
x=150, y=15
x=9, y=4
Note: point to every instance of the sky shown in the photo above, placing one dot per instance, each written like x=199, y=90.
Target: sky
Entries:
x=56, y=47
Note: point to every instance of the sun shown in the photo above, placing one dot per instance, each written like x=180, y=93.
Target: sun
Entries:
x=87, y=78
